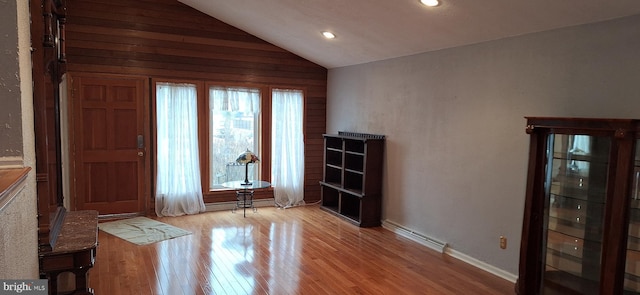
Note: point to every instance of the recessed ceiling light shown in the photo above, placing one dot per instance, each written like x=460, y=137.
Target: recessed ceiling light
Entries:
x=328, y=35
x=431, y=3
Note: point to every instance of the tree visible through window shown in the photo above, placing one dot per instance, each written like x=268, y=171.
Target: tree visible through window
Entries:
x=234, y=127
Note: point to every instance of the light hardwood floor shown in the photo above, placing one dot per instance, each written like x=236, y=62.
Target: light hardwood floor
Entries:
x=300, y=250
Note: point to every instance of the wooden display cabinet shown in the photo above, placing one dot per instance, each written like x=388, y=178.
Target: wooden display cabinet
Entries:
x=352, y=177
x=581, y=228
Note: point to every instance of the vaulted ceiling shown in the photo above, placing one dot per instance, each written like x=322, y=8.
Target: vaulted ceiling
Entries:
x=372, y=30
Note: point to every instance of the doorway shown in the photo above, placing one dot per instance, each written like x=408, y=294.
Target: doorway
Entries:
x=109, y=140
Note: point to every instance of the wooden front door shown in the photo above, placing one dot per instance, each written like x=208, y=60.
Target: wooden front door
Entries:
x=109, y=142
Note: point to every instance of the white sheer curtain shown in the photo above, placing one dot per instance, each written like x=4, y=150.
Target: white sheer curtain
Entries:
x=178, y=188
x=287, y=148
x=235, y=99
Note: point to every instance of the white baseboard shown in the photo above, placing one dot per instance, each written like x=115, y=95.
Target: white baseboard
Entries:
x=482, y=265
x=212, y=207
x=11, y=162
x=414, y=236
x=444, y=248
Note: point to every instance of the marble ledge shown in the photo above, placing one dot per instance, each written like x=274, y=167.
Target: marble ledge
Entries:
x=79, y=232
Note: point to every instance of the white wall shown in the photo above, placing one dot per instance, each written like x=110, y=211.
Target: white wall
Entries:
x=456, y=150
x=18, y=230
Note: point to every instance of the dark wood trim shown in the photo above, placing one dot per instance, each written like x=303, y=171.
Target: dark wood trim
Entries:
x=48, y=24
x=617, y=213
x=529, y=269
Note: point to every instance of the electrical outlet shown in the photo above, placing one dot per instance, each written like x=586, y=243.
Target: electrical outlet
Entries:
x=503, y=242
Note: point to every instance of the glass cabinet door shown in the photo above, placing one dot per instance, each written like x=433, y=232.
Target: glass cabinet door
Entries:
x=575, y=196
x=632, y=269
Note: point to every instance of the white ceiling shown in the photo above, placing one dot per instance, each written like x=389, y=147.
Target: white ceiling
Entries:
x=371, y=30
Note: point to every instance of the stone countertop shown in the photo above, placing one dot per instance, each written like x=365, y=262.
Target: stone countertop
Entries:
x=79, y=232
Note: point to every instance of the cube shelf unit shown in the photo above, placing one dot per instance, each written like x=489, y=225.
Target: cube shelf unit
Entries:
x=352, y=177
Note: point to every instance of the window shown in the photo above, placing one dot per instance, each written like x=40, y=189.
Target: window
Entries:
x=234, y=127
x=231, y=119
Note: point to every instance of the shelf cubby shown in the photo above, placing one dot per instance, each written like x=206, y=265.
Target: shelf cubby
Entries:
x=330, y=198
x=350, y=206
x=334, y=158
x=353, y=181
x=333, y=174
x=333, y=144
x=354, y=161
x=356, y=146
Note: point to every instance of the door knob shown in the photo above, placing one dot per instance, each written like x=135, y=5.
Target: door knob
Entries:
x=140, y=154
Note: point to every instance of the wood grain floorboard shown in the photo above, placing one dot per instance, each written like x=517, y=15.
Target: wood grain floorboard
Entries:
x=300, y=250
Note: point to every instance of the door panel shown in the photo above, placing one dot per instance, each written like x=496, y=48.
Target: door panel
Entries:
x=111, y=170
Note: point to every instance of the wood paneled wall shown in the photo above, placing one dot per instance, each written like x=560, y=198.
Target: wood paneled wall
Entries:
x=167, y=39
